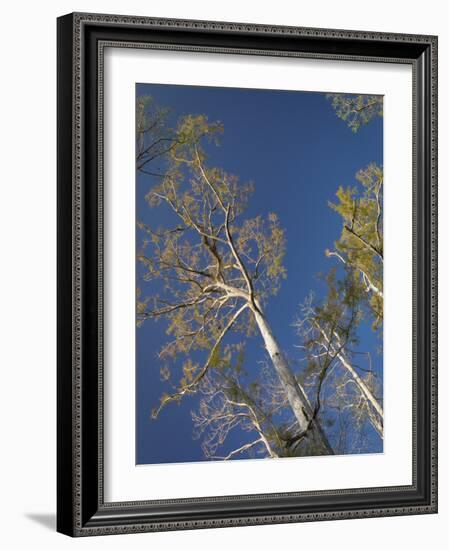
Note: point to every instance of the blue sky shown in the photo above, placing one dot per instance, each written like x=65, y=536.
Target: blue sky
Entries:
x=297, y=152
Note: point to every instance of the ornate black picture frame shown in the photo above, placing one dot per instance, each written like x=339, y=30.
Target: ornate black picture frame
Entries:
x=81, y=509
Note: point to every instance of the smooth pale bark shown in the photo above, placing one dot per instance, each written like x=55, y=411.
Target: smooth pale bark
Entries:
x=370, y=286
x=364, y=389
x=367, y=393
x=295, y=394
x=257, y=423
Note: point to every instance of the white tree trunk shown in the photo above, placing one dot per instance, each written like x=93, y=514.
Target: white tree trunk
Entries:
x=295, y=394
x=378, y=417
x=370, y=287
x=366, y=392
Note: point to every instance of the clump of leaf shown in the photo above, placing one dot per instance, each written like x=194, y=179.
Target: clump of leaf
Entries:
x=356, y=110
x=360, y=246
x=206, y=270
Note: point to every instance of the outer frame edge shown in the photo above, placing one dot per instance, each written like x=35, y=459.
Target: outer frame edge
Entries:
x=79, y=19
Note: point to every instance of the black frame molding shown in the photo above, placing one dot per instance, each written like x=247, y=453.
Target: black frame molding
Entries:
x=81, y=510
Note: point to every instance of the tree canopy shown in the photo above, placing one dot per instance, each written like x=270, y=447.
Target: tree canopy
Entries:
x=357, y=110
x=210, y=259
x=360, y=246
x=209, y=273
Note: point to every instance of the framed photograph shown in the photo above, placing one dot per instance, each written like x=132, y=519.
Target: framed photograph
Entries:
x=247, y=284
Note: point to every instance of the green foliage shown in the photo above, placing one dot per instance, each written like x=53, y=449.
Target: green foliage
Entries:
x=330, y=326
x=357, y=110
x=328, y=332
x=211, y=267
x=262, y=243
x=230, y=401
x=329, y=329
x=153, y=137
x=360, y=246
x=207, y=269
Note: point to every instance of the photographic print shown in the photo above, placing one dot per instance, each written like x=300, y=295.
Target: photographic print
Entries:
x=259, y=274
x=221, y=243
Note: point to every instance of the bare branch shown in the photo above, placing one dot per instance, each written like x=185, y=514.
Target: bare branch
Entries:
x=365, y=242
x=189, y=387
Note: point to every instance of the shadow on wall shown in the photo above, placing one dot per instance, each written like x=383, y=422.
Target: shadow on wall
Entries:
x=46, y=520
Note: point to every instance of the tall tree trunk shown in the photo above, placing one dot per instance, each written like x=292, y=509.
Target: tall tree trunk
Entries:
x=378, y=417
x=295, y=393
x=378, y=414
